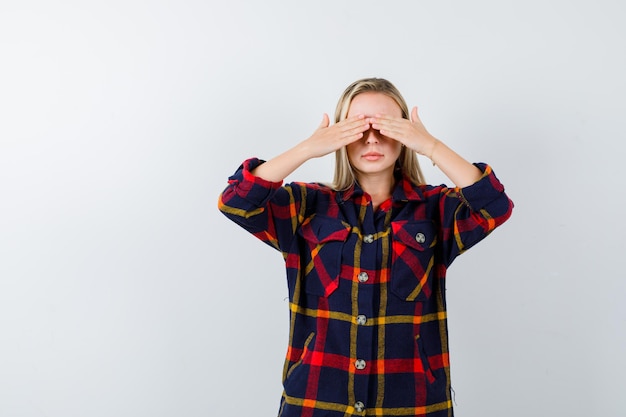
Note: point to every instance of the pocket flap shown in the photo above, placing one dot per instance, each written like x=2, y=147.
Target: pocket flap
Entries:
x=321, y=229
x=417, y=235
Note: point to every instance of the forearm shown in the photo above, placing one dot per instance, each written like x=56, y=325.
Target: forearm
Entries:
x=279, y=167
x=324, y=140
x=460, y=171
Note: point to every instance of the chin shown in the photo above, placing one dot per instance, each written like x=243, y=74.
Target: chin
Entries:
x=372, y=169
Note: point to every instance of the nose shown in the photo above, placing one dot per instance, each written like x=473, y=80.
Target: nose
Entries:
x=371, y=136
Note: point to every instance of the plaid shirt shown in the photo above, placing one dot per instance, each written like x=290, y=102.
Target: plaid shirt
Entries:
x=368, y=329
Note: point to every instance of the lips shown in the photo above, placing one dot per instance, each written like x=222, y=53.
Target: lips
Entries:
x=372, y=156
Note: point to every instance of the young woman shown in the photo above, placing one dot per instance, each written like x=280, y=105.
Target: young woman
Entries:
x=366, y=258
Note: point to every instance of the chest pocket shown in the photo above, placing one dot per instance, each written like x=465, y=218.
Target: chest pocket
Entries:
x=413, y=259
x=323, y=239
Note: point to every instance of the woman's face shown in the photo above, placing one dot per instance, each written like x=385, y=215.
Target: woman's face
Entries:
x=374, y=153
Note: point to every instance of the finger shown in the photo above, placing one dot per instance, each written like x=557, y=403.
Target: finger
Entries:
x=357, y=123
x=385, y=120
x=387, y=125
x=348, y=139
x=395, y=129
x=357, y=130
x=325, y=122
x=354, y=120
x=414, y=116
x=383, y=116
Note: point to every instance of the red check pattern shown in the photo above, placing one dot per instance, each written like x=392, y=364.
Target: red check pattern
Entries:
x=368, y=326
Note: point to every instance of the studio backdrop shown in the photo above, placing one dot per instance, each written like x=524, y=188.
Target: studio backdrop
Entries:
x=123, y=290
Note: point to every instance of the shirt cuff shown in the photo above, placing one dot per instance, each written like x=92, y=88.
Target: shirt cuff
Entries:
x=250, y=187
x=487, y=189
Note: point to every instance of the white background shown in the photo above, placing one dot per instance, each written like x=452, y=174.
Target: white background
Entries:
x=124, y=292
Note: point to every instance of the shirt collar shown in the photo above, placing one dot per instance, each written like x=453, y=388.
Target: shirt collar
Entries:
x=404, y=190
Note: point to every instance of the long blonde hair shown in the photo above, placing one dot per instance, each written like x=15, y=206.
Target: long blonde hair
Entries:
x=407, y=161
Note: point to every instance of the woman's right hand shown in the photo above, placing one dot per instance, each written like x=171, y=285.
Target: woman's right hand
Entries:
x=324, y=140
x=327, y=139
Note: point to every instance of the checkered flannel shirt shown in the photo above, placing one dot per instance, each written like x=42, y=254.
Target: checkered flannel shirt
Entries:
x=368, y=327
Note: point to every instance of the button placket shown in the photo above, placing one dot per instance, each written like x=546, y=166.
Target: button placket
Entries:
x=370, y=247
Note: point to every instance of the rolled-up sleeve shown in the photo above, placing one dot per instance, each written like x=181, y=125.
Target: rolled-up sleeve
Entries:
x=471, y=213
x=264, y=208
x=245, y=190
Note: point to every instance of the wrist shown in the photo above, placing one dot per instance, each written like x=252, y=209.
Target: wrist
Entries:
x=432, y=149
x=302, y=151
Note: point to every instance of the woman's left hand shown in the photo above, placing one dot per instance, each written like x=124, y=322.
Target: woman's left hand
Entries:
x=411, y=133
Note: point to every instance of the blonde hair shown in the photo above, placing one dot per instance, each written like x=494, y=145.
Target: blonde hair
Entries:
x=407, y=162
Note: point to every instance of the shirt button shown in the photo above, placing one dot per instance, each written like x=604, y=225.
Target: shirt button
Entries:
x=420, y=238
x=359, y=364
x=368, y=238
x=363, y=277
x=359, y=406
x=361, y=319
